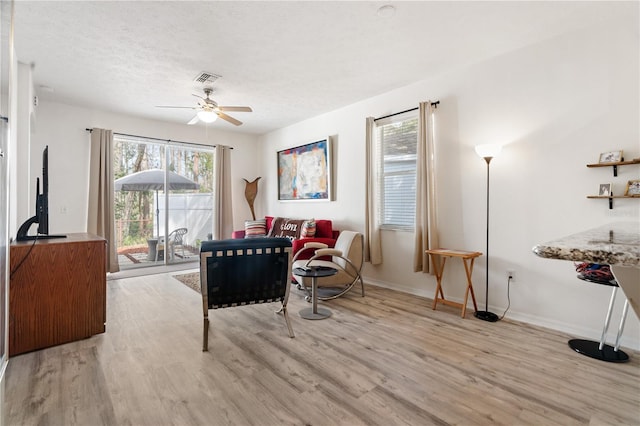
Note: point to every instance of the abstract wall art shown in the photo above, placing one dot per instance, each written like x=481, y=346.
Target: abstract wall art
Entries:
x=304, y=172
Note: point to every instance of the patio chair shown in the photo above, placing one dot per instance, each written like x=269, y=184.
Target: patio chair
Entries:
x=174, y=239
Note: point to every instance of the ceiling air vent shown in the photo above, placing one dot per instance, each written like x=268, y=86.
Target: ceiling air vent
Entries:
x=206, y=77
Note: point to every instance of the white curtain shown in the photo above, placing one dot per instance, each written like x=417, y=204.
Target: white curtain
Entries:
x=372, y=246
x=426, y=232
x=100, y=215
x=222, y=208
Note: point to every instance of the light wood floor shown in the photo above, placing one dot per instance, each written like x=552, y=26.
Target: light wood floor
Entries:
x=386, y=359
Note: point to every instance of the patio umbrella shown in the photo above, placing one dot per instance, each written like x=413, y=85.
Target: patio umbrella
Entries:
x=153, y=180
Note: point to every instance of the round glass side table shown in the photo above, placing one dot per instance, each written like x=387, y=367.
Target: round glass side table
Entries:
x=315, y=313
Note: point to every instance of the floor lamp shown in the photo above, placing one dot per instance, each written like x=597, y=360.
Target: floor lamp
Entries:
x=487, y=152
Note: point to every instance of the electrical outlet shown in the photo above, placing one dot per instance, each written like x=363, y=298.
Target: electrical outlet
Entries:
x=512, y=275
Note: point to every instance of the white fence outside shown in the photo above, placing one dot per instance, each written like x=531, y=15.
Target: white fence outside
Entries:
x=191, y=211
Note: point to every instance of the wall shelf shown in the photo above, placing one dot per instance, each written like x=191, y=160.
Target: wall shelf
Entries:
x=615, y=174
x=615, y=165
x=611, y=197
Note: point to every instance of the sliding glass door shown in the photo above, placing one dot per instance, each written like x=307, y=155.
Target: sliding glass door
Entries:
x=163, y=201
x=186, y=207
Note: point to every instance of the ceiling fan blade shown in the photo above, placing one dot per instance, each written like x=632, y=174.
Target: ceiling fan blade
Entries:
x=229, y=119
x=235, y=108
x=171, y=106
x=194, y=120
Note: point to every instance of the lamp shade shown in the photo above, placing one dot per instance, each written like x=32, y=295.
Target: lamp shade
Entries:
x=490, y=150
x=207, y=116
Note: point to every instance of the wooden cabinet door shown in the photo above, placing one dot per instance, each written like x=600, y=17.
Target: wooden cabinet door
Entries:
x=58, y=293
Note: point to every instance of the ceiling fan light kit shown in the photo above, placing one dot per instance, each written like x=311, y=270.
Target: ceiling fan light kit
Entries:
x=207, y=116
x=208, y=110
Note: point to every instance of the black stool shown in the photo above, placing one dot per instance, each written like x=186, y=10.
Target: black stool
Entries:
x=600, y=350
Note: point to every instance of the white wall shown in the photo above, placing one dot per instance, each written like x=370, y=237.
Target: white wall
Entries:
x=21, y=153
x=62, y=127
x=555, y=106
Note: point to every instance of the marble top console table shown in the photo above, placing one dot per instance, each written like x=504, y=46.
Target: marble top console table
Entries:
x=616, y=244
x=613, y=244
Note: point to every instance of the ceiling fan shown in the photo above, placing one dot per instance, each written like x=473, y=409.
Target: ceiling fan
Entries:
x=208, y=110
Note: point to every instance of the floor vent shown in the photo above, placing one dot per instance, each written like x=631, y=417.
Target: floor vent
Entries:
x=206, y=77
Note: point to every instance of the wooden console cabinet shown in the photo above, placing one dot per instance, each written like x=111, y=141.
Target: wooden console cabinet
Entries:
x=58, y=292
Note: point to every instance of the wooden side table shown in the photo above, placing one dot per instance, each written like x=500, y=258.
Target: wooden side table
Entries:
x=468, y=257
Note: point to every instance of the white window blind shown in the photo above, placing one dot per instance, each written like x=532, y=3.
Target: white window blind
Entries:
x=396, y=142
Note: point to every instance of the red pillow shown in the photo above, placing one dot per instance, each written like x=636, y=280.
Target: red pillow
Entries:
x=269, y=220
x=324, y=229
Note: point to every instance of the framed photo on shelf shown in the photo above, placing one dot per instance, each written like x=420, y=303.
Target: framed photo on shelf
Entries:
x=304, y=172
x=633, y=188
x=605, y=190
x=610, y=157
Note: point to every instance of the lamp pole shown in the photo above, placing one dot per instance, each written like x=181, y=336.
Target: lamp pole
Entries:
x=487, y=152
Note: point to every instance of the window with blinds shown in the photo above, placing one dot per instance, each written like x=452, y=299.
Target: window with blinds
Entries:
x=396, y=141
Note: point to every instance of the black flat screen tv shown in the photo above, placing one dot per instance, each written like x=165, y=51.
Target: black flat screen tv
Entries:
x=42, y=207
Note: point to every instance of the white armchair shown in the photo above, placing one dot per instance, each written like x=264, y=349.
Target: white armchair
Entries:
x=347, y=257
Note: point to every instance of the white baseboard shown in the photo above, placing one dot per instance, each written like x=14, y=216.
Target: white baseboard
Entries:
x=572, y=329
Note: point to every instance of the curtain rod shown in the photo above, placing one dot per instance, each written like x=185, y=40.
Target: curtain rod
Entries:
x=433, y=104
x=158, y=139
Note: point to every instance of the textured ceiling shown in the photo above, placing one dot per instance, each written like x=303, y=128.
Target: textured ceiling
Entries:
x=289, y=61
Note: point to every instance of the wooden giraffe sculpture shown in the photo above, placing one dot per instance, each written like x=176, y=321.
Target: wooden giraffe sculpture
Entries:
x=250, y=192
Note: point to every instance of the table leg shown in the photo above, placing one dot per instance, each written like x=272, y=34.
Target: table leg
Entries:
x=473, y=294
x=314, y=313
x=444, y=261
x=468, y=269
x=600, y=350
x=314, y=295
x=439, y=268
